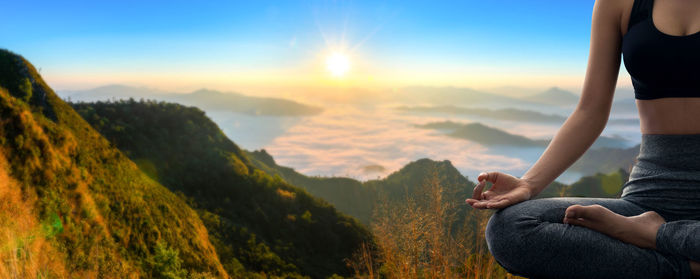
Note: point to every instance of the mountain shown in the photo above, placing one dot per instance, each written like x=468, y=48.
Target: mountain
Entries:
x=513, y=91
x=359, y=199
x=554, y=96
x=205, y=99
x=599, y=185
x=215, y=100
x=511, y=114
x=257, y=222
x=458, y=96
x=491, y=136
x=346, y=194
x=606, y=160
x=482, y=134
x=85, y=207
x=109, y=92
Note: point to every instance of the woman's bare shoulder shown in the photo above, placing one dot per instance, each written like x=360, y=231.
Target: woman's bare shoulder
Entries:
x=616, y=11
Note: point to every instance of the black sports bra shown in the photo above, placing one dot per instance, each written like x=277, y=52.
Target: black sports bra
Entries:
x=661, y=65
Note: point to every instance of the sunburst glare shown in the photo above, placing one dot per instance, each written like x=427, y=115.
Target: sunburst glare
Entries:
x=338, y=64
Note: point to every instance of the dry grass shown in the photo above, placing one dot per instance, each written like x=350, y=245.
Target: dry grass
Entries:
x=25, y=251
x=427, y=235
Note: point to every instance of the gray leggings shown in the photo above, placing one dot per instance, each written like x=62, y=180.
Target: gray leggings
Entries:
x=529, y=238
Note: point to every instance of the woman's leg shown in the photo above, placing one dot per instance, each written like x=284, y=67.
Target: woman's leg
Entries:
x=530, y=239
x=680, y=238
x=647, y=230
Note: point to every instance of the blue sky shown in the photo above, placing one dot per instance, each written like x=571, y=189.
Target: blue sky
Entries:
x=184, y=44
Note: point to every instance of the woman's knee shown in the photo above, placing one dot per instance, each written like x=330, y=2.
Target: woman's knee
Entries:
x=513, y=220
x=510, y=230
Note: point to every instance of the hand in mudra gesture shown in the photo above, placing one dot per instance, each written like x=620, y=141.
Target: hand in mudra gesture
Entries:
x=505, y=191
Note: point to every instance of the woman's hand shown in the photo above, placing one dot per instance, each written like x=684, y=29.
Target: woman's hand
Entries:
x=506, y=191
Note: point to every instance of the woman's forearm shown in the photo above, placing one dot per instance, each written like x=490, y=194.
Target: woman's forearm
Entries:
x=575, y=136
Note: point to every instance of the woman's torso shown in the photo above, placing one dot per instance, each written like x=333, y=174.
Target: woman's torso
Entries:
x=670, y=115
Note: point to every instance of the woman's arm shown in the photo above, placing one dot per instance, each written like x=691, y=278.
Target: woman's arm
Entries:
x=582, y=127
x=589, y=118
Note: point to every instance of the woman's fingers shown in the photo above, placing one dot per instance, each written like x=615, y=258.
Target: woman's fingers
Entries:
x=498, y=204
x=479, y=204
x=477, y=190
x=482, y=176
x=492, y=201
x=488, y=195
x=488, y=176
x=489, y=204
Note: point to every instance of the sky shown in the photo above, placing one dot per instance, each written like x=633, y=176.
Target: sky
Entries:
x=253, y=45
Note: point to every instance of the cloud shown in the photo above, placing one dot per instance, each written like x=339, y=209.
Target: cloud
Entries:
x=345, y=138
x=342, y=140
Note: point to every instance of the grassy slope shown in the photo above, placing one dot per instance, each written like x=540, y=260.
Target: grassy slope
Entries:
x=258, y=222
x=111, y=216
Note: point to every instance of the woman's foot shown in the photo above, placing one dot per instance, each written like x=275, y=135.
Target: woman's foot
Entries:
x=638, y=230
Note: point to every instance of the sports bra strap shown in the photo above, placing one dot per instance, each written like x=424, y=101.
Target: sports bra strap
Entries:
x=641, y=10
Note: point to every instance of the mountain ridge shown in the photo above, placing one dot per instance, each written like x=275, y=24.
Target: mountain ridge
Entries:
x=203, y=98
x=257, y=222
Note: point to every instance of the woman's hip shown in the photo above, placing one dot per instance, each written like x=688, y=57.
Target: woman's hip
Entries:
x=666, y=176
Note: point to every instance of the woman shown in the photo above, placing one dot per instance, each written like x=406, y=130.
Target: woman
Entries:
x=653, y=230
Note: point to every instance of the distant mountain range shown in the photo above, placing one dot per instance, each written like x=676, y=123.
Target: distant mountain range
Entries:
x=554, y=96
x=482, y=134
x=491, y=136
x=457, y=96
x=511, y=114
x=551, y=101
x=203, y=98
x=556, y=101
x=606, y=160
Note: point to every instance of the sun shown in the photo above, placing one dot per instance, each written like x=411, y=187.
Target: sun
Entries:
x=338, y=64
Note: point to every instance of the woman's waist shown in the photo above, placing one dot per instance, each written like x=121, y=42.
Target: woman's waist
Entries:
x=663, y=182
x=669, y=115
x=670, y=193
x=648, y=171
x=669, y=153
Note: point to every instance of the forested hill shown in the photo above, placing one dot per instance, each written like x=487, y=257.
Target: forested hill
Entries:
x=259, y=224
x=360, y=198
x=72, y=205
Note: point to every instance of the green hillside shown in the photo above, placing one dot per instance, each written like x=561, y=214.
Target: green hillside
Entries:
x=346, y=194
x=359, y=199
x=95, y=213
x=258, y=223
